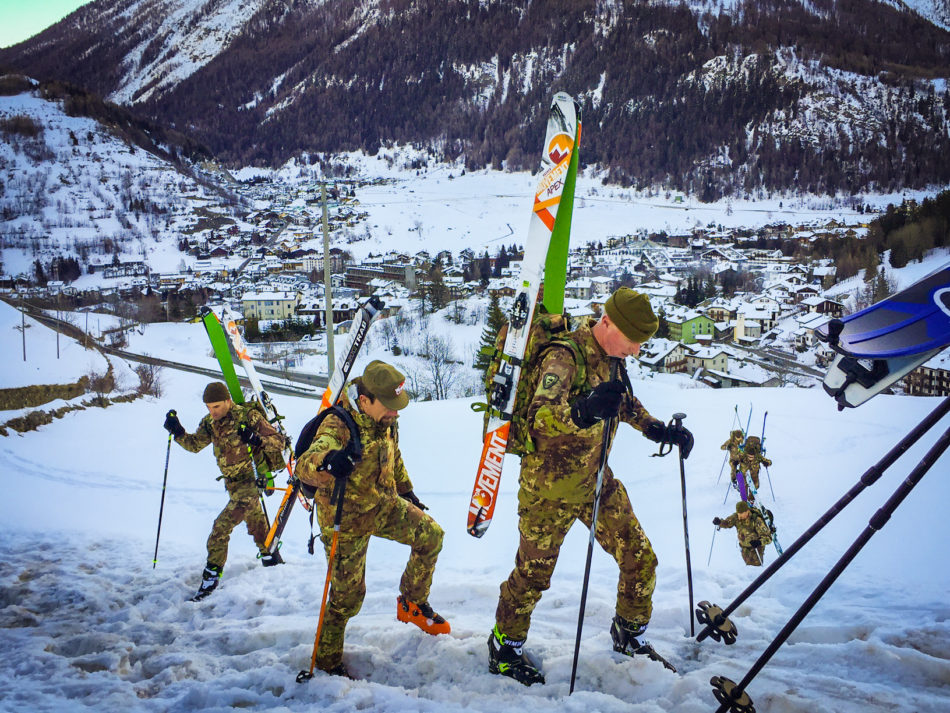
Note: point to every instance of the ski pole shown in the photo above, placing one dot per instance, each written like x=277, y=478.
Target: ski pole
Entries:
x=768, y=475
x=161, y=507
x=604, y=451
x=709, y=559
x=678, y=420
x=339, y=490
x=731, y=692
x=722, y=467
x=735, y=417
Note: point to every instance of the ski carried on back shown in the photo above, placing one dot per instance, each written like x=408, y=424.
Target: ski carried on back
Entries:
x=341, y=372
x=557, y=175
x=884, y=342
x=219, y=342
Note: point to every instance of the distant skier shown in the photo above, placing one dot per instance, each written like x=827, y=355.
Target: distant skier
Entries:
x=233, y=429
x=754, y=534
x=734, y=446
x=378, y=502
x=752, y=459
x=558, y=479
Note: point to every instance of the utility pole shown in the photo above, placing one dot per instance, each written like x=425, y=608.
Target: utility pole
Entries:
x=331, y=362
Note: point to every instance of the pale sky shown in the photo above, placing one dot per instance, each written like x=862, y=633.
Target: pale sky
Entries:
x=21, y=19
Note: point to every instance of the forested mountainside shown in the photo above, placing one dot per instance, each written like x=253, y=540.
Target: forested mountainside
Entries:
x=744, y=98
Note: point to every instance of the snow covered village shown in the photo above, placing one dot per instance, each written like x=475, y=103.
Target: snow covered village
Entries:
x=765, y=531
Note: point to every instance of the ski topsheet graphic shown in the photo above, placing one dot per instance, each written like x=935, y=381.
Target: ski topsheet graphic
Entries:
x=341, y=372
x=886, y=341
x=557, y=161
x=219, y=342
x=913, y=321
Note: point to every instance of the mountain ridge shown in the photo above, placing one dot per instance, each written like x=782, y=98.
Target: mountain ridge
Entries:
x=748, y=99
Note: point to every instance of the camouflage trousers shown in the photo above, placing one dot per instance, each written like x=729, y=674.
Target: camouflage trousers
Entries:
x=753, y=555
x=244, y=506
x=543, y=524
x=394, y=519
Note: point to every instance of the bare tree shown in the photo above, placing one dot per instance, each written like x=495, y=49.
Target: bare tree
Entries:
x=442, y=371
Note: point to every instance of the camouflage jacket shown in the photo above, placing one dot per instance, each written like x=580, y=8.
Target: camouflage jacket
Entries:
x=564, y=466
x=379, y=475
x=751, y=462
x=751, y=528
x=230, y=451
x=734, y=446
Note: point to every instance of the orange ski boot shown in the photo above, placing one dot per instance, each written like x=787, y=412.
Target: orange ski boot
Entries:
x=421, y=615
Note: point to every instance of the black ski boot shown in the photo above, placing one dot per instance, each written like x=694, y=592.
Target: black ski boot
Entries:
x=209, y=581
x=270, y=559
x=628, y=640
x=507, y=658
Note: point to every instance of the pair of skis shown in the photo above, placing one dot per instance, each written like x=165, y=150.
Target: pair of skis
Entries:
x=545, y=256
x=223, y=335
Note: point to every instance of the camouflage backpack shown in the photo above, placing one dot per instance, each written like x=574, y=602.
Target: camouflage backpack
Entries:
x=547, y=331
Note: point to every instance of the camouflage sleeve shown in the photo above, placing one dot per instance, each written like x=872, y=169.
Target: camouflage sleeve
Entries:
x=767, y=462
x=728, y=522
x=194, y=442
x=333, y=435
x=272, y=440
x=403, y=484
x=549, y=413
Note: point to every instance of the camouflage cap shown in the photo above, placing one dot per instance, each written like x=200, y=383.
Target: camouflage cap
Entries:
x=387, y=384
x=742, y=506
x=631, y=312
x=214, y=392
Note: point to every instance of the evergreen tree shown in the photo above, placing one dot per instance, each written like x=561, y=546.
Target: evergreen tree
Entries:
x=496, y=318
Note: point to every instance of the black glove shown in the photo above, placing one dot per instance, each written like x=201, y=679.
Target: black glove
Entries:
x=338, y=464
x=411, y=497
x=173, y=425
x=656, y=432
x=756, y=543
x=716, y=521
x=681, y=437
x=603, y=402
x=249, y=435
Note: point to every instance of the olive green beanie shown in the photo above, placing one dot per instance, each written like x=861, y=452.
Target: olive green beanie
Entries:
x=742, y=506
x=214, y=392
x=632, y=313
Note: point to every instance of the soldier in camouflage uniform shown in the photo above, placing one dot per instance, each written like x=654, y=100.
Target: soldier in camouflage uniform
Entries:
x=378, y=501
x=234, y=430
x=557, y=482
x=752, y=459
x=754, y=534
x=734, y=446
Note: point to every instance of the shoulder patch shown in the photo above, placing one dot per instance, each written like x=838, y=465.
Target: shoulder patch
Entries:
x=548, y=381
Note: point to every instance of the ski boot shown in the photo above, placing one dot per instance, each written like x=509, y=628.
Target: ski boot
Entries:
x=508, y=658
x=270, y=559
x=421, y=615
x=209, y=581
x=628, y=640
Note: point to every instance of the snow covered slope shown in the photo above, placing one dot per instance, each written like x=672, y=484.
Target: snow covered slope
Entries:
x=89, y=625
